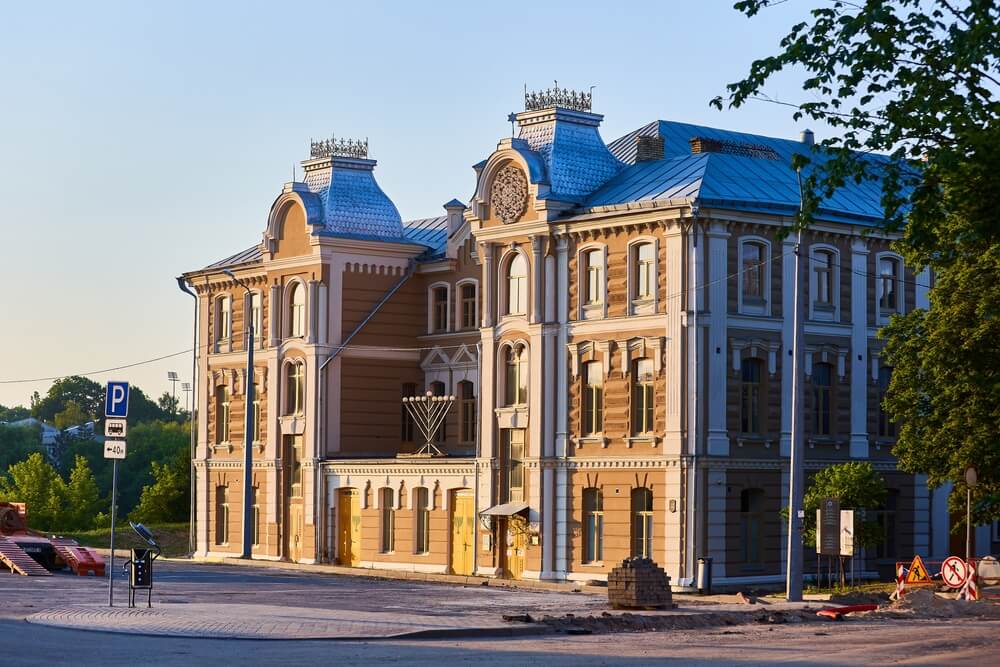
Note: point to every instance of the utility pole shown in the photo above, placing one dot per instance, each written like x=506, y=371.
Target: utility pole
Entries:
x=793, y=565
x=247, y=432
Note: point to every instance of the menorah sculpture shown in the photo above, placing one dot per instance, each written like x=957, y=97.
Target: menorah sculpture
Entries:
x=428, y=412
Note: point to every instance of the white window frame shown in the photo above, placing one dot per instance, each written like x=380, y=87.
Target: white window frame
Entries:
x=458, y=304
x=287, y=310
x=763, y=309
x=503, y=283
x=286, y=381
x=645, y=306
x=824, y=314
x=223, y=326
x=258, y=335
x=882, y=316
x=597, y=309
x=431, y=307
x=514, y=347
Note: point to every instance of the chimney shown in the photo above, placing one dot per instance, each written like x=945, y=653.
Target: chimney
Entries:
x=455, y=210
x=807, y=137
x=649, y=148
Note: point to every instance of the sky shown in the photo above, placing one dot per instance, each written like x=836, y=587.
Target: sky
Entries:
x=142, y=140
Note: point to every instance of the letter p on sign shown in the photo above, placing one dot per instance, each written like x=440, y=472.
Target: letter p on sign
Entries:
x=116, y=400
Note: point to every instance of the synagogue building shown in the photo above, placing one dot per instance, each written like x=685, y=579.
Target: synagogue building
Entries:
x=589, y=359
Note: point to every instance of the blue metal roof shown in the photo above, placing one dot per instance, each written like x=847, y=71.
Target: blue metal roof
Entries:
x=431, y=232
x=249, y=256
x=727, y=180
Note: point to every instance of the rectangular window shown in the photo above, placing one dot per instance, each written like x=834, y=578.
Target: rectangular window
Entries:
x=750, y=396
x=822, y=383
x=515, y=464
x=256, y=417
x=293, y=445
x=888, y=278
x=221, y=415
x=593, y=520
x=255, y=319
x=753, y=284
x=440, y=309
x=823, y=268
x=642, y=397
x=387, y=543
x=422, y=521
x=256, y=515
x=469, y=306
x=593, y=398
x=222, y=515
x=468, y=411
x=645, y=268
x=296, y=389
x=642, y=523
x=595, y=277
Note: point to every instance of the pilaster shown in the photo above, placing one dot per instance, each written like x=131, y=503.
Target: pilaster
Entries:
x=787, y=335
x=859, y=349
x=718, y=437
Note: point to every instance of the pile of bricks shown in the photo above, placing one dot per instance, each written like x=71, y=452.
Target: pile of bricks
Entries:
x=639, y=582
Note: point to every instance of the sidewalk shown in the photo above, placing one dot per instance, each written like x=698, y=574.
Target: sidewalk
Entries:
x=268, y=622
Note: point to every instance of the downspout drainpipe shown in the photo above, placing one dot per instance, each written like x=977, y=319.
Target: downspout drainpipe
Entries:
x=333, y=355
x=693, y=522
x=192, y=541
x=479, y=453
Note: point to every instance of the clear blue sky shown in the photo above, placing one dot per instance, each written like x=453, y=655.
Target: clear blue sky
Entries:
x=141, y=140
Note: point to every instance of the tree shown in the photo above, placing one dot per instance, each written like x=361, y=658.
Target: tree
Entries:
x=82, y=497
x=71, y=415
x=13, y=413
x=916, y=80
x=166, y=500
x=87, y=394
x=16, y=444
x=37, y=484
x=856, y=486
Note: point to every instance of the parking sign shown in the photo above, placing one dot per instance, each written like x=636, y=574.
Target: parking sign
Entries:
x=116, y=400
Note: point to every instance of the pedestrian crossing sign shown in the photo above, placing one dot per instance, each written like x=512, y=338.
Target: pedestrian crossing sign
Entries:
x=918, y=573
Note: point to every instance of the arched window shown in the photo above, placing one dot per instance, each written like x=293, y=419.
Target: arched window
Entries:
x=223, y=323
x=642, y=522
x=642, y=396
x=221, y=415
x=222, y=515
x=593, y=275
x=517, y=286
x=295, y=388
x=516, y=386
x=822, y=381
x=438, y=389
x=823, y=264
x=751, y=521
x=750, y=404
x=467, y=411
x=593, y=525
x=421, y=521
x=439, y=309
x=593, y=398
x=888, y=284
x=297, y=311
x=387, y=520
x=886, y=427
x=467, y=307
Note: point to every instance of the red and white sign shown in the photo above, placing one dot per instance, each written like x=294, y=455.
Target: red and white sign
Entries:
x=954, y=572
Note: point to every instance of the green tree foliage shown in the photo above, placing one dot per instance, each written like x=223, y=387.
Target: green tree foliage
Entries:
x=167, y=499
x=168, y=403
x=917, y=79
x=82, y=497
x=71, y=415
x=13, y=413
x=84, y=392
x=856, y=486
x=16, y=444
x=35, y=482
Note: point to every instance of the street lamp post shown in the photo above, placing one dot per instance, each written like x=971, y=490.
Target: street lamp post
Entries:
x=186, y=388
x=247, y=433
x=172, y=378
x=971, y=477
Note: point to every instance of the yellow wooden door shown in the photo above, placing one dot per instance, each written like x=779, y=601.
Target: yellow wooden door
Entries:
x=517, y=542
x=463, y=541
x=349, y=528
x=295, y=533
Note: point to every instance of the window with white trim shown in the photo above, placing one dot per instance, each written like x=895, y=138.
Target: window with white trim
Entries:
x=593, y=522
x=297, y=311
x=517, y=286
x=387, y=520
x=592, y=279
x=824, y=284
x=754, y=282
x=421, y=520
x=468, y=308
x=593, y=398
x=223, y=323
x=222, y=515
x=295, y=388
x=888, y=288
x=516, y=375
x=221, y=415
x=255, y=320
x=439, y=309
x=642, y=522
x=642, y=396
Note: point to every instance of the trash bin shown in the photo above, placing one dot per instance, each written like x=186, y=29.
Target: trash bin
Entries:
x=704, y=583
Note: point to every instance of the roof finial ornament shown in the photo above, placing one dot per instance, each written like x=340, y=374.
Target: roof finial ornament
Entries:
x=558, y=97
x=334, y=147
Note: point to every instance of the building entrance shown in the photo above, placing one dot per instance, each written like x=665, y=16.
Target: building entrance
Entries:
x=463, y=531
x=349, y=528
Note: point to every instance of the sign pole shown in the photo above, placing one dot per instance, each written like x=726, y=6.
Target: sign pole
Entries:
x=114, y=502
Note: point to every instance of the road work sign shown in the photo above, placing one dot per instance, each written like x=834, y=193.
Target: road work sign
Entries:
x=954, y=572
x=116, y=400
x=918, y=573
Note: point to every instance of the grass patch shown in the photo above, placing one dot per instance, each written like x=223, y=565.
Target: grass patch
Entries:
x=172, y=537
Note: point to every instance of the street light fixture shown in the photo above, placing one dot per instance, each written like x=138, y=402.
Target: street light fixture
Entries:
x=186, y=388
x=247, y=433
